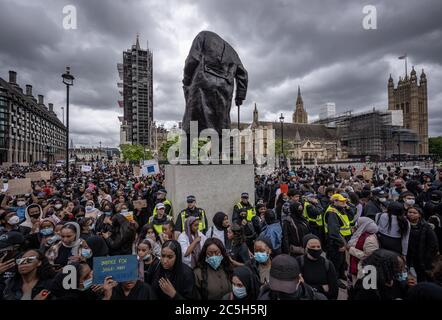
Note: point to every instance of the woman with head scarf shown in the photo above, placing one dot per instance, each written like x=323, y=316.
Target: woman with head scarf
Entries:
x=173, y=280
x=191, y=241
x=245, y=285
x=363, y=243
x=239, y=252
x=71, y=248
x=219, y=228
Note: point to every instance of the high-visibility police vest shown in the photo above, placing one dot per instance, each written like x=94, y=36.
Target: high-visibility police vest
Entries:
x=201, y=224
x=158, y=227
x=250, y=212
x=345, y=229
x=167, y=201
x=317, y=220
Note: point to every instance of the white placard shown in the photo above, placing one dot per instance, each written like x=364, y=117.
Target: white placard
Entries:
x=85, y=168
x=150, y=167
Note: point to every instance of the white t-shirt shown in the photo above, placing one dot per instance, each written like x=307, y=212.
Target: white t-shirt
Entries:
x=184, y=243
x=219, y=234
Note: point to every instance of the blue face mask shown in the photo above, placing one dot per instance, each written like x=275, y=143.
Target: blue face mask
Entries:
x=108, y=213
x=214, y=261
x=86, y=284
x=402, y=276
x=53, y=239
x=239, y=292
x=86, y=253
x=47, y=231
x=261, y=257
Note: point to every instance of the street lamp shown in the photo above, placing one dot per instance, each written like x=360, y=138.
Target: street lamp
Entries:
x=281, y=119
x=68, y=80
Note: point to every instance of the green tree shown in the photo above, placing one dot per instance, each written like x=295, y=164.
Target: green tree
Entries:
x=287, y=147
x=435, y=146
x=135, y=152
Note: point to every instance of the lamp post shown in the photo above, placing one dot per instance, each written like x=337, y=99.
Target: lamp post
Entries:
x=281, y=119
x=68, y=80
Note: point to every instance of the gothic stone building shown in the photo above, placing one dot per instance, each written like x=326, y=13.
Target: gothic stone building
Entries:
x=411, y=97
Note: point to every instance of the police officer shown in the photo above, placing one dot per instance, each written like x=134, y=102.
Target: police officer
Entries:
x=337, y=232
x=160, y=218
x=313, y=212
x=161, y=198
x=244, y=204
x=191, y=210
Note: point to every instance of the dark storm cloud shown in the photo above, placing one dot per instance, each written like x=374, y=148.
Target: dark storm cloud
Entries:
x=319, y=45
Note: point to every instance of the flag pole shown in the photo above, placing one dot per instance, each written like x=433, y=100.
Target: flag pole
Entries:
x=406, y=71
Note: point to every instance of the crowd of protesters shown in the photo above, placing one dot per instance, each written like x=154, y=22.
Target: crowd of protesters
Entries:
x=309, y=235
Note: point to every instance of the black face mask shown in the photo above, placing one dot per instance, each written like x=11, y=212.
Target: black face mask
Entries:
x=315, y=253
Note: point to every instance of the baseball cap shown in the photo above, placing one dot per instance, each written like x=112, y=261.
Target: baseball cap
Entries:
x=244, y=195
x=11, y=238
x=310, y=195
x=160, y=205
x=191, y=199
x=338, y=197
x=162, y=191
x=283, y=274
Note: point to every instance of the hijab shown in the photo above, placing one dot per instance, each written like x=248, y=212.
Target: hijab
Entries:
x=196, y=251
x=218, y=220
x=364, y=224
x=249, y=280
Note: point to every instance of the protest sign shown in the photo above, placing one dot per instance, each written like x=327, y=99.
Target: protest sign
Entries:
x=85, y=168
x=150, y=167
x=137, y=171
x=140, y=204
x=39, y=175
x=284, y=187
x=128, y=215
x=19, y=186
x=120, y=268
x=344, y=175
x=367, y=174
x=3, y=187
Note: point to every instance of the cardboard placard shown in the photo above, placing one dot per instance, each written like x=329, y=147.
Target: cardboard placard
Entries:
x=128, y=215
x=39, y=175
x=120, y=268
x=137, y=171
x=140, y=204
x=19, y=186
x=344, y=175
x=367, y=174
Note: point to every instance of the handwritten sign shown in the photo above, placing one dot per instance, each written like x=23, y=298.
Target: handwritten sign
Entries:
x=85, y=168
x=140, y=204
x=39, y=175
x=137, y=171
x=120, y=268
x=19, y=186
x=367, y=174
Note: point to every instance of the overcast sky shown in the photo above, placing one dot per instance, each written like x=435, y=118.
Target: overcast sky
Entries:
x=319, y=45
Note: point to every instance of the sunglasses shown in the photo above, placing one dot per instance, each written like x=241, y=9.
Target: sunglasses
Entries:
x=26, y=260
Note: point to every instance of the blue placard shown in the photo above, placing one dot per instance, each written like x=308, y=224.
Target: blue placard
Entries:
x=150, y=169
x=120, y=268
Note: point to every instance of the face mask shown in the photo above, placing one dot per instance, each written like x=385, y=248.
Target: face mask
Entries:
x=58, y=206
x=14, y=220
x=87, y=253
x=108, y=213
x=261, y=257
x=21, y=203
x=86, y=284
x=89, y=208
x=410, y=202
x=239, y=292
x=54, y=239
x=214, y=261
x=315, y=253
x=92, y=226
x=402, y=276
x=146, y=257
x=47, y=231
x=124, y=211
x=382, y=200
